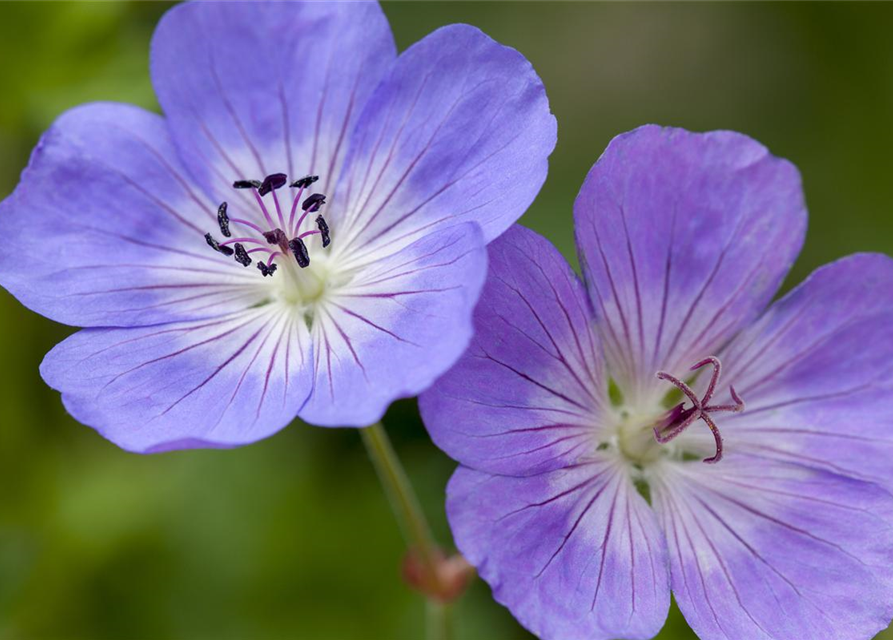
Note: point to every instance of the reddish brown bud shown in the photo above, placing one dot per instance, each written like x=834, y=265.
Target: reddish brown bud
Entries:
x=452, y=575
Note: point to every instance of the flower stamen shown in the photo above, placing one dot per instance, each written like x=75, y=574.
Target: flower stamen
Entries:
x=288, y=238
x=271, y=183
x=242, y=256
x=324, y=231
x=678, y=419
x=266, y=270
x=299, y=249
x=223, y=220
x=300, y=185
x=216, y=246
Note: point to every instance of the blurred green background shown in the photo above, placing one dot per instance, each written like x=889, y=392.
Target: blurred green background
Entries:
x=292, y=538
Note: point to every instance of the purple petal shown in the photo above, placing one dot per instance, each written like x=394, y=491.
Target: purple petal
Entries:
x=105, y=229
x=215, y=383
x=684, y=238
x=575, y=554
x=402, y=322
x=460, y=129
x=252, y=89
x=770, y=550
x=816, y=373
x=529, y=394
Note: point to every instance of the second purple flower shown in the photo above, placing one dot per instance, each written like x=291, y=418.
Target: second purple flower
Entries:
x=583, y=413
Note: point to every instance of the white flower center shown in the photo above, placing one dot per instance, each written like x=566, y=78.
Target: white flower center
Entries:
x=304, y=287
x=635, y=436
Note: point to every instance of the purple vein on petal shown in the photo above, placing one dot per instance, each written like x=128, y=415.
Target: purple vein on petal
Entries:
x=706, y=285
x=604, y=547
x=700, y=571
x=588, y=390
x=559, y=301
x=215, y=373
x=412, y=164
x=272, y=324
x=164, y=162
x=348, y=343
x=372, y=324
x=224, y=100
x=668, y=274
x=178, y=352
x=808, y=350
x=570, y=533
x=531, y=380
x=635, y=274
x=390, y=155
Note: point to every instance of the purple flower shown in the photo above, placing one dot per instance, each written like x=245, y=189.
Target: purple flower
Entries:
x=583, y=497
x=302, y=234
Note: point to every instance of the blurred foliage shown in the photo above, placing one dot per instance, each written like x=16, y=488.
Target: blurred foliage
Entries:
x=291, y=538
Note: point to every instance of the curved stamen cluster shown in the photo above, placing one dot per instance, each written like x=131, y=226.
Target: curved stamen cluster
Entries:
x=285, y=237
x=679, y=418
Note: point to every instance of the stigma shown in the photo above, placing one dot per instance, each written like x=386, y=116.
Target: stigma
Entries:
x=679, y=418
x=278, y=236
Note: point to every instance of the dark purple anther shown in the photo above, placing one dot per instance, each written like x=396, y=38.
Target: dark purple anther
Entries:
x=678, y=419
x=216, y=246
x=304, y=182
x=266, y=270
x=323, y=231
x=242, y=256
x=246, y=184
x=313, y=203
x=272, y=181
x=299, y=249
x=223, y=220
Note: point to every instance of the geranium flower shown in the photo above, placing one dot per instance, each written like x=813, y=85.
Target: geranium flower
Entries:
x=583, y=495
x=301, y=234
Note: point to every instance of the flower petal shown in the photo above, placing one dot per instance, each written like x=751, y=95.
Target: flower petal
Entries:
x=459, y=130
x=216, y=383
x=684, y=239
x=771, y=550
x=104, y=229
x=401, y=323
x=529, y=394
x=816, y=373
x=575, y=554
x=254, y=88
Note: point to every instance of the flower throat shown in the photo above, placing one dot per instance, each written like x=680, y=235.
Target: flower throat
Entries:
x=637, y=436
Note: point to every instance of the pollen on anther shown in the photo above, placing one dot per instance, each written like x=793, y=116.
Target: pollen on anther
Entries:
x=246, y=184
x=304, y=182
x=299, y=249
x=217, y=246
x=323, y=231
x=242, y=256
x=223, y=220
x=313, y=203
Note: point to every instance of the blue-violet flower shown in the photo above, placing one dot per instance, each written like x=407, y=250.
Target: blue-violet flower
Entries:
x=302, y=234
x=584, y=498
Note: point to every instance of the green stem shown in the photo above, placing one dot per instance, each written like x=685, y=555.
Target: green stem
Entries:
x=439, y=622
x=411, y=518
